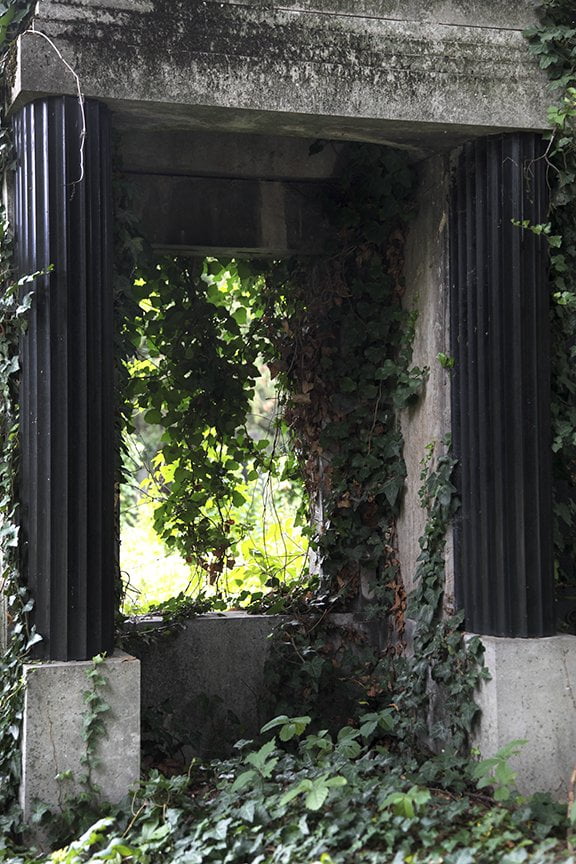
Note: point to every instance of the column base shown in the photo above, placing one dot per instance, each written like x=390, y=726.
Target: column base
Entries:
x=52, y=744
x=531, y=695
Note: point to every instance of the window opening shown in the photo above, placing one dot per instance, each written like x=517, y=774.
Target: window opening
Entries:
x=212, y=507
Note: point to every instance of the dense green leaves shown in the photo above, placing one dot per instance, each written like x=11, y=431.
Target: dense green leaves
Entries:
x=193, y=375
x=14, y=15
x=340, y=344
x=306, y=804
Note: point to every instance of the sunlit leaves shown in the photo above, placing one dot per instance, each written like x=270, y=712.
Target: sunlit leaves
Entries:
x=193, y=377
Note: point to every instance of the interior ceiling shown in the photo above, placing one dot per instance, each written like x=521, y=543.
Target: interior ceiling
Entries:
x=142, y=124
x=244, y=183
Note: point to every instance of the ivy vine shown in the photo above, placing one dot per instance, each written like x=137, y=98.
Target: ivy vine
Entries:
x=340, y=344
x=554, y=44
x=319, y=660
x=15, y=299
x=434, y=687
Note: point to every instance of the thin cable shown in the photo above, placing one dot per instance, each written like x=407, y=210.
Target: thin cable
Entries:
x=80, y=97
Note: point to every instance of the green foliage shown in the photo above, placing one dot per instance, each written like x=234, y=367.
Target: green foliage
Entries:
x=268, y=567
x=318, y=661
x=96, y=836
x=15, y=300
x=150, y=572
x=14, y=18
x=554, y=44
x=340, y=345
x=298, y=802
x=193, y=376
x=444, y=669
x=290, y=727
x=496, y=772
x=94, y=719
x=445, y=360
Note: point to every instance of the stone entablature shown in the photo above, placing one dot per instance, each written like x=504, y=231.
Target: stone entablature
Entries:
x=326, y=67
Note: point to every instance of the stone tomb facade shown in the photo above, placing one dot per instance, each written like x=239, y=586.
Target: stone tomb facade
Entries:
x=214, y=106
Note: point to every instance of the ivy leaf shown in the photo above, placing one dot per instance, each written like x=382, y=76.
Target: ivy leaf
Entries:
x=243, y=780
x=316, y=796
x=247, y=811
x=34, y=639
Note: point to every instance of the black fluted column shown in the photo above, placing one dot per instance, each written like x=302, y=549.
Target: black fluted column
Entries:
x=62, y=218
x=501, y=388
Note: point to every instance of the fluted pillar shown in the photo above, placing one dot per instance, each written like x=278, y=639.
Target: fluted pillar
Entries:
x=501, y=387
x=63, y=219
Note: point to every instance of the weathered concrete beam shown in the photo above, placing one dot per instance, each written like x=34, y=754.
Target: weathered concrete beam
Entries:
x=213, y=154
x=387, y=69
x=490, y=13
x=208, y=215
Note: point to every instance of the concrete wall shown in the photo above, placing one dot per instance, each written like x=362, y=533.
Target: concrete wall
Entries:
x=379, y=70
x=427, y=294
x=207, y=680
x=224, y=193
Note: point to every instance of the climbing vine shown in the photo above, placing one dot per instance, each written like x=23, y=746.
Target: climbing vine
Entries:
x=318, y=660
x=340, y=343
x=553, y=43
x=15, y=299
x=434, y=688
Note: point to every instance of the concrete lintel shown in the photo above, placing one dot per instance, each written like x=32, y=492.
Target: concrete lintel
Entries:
x=531, y=695
x=267, y=59
x=54, y=712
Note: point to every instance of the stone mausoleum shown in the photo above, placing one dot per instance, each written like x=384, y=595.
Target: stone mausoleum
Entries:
x=211, y=106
